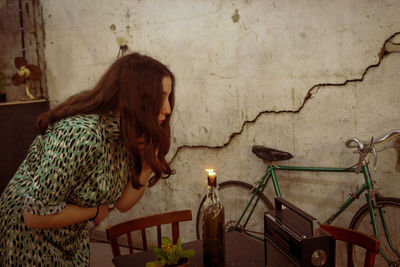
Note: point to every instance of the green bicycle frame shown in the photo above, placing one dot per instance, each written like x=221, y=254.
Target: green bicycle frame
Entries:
x=366, y=187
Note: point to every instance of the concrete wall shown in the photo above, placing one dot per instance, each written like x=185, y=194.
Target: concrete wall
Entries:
x=301, y=76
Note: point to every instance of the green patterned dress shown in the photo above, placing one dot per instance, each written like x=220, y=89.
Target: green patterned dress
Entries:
x=80, y=160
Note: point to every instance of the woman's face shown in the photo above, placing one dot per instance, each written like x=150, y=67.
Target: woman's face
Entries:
x=165, y=107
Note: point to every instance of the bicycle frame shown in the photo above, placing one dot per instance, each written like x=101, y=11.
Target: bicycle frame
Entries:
x=366, y=187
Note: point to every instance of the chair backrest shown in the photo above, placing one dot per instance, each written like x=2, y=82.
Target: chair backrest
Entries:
x=370, y=243
x=173, y=218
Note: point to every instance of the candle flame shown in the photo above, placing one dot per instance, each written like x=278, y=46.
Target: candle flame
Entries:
x=211, y=172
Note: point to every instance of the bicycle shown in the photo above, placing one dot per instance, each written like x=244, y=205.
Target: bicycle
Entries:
x=380, y=215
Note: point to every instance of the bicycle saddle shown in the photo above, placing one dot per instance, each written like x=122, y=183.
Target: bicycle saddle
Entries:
x=270, y=154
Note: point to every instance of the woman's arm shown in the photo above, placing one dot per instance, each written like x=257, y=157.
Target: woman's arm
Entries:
x=72, y=214
x=131, y=196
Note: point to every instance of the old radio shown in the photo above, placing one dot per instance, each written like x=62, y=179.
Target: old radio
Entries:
x=293, y=238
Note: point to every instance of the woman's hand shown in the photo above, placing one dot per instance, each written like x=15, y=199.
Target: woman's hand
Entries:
x=103, y=212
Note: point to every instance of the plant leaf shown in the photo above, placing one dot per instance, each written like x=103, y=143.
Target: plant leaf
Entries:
x=179, y=243
x=154, y=264
x=188, y=253
x=159, y=254
x=172, y=259
x=156, y=249
x=166, y=241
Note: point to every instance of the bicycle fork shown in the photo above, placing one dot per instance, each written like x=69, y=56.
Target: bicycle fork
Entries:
x=372, y=204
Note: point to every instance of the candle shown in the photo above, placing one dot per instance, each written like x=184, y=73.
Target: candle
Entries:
x=211, y=177
x=211, y=173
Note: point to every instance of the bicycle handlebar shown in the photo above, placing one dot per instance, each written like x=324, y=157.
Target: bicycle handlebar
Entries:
x=360, y=145
x=349, y=142
x=365, y=148
x=387, y=136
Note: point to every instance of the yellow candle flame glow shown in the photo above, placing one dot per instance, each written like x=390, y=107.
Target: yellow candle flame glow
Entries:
x=211, y=173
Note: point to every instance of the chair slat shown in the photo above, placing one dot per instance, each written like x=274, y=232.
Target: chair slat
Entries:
x=144, y=239
x=159, y=242
x=115, y=247
x=369, y=259
x=370, y=243
x=130, y=242
x=120, y=229
x=175, y=232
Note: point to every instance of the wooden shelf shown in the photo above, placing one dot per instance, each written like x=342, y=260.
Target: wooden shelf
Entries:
x=23, y=102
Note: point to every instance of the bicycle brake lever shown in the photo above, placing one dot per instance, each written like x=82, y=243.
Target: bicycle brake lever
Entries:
x=373, y=150
x=360, y=161
x=375, y=157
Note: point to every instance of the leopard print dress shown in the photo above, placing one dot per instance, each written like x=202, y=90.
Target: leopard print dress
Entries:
x=80, y=160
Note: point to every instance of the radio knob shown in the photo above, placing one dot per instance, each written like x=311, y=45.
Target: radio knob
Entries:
x=318, y=258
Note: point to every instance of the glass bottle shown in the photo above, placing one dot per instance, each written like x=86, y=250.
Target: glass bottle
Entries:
x=213, y=226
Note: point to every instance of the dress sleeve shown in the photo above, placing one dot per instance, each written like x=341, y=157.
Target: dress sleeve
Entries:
x=68, y=154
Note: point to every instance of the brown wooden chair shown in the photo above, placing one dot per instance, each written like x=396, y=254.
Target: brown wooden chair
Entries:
x=173, y=218
x=370, y=243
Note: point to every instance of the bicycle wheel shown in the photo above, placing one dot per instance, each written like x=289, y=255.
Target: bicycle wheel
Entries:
x=362, y=222
x=235, y=196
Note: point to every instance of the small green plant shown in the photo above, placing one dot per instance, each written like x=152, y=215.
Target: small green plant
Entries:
x=169, y=254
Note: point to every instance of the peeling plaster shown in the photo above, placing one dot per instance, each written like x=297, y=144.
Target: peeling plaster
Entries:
x=388, y=47
x=122, y=41
x=236, y=16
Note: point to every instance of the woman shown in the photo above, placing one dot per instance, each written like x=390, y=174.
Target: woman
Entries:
x=95, y=149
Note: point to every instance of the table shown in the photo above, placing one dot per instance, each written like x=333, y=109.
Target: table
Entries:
x=241, y=250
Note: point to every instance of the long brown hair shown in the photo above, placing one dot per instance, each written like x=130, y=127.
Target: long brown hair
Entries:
x=132, y=86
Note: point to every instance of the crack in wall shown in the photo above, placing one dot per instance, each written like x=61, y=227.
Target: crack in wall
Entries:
x=388, y=47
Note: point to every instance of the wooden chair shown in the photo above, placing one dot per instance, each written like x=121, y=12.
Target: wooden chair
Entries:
x=173, y=218
x=370, y=243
